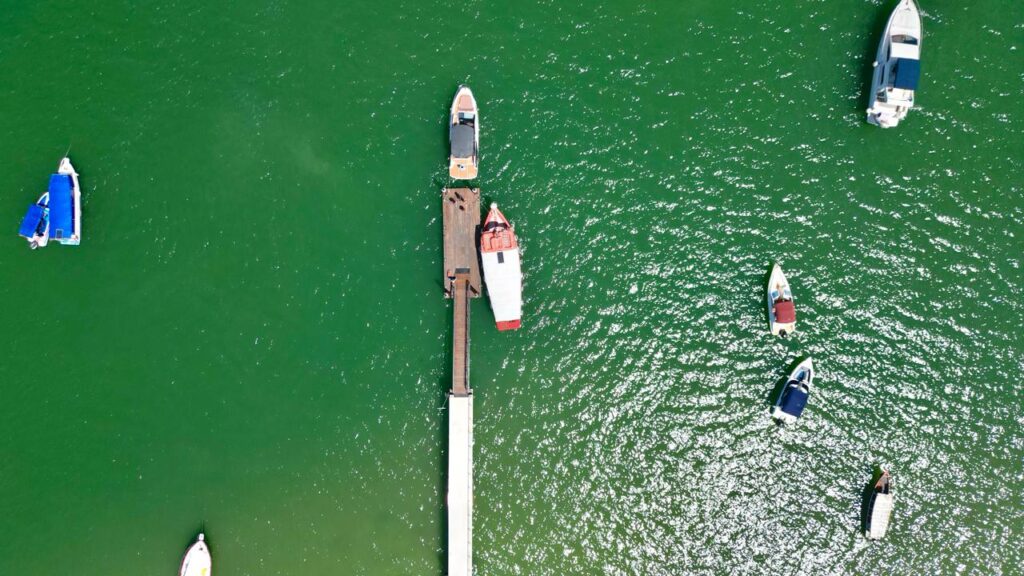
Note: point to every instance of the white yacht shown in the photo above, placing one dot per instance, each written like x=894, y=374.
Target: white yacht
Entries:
x=897, y=67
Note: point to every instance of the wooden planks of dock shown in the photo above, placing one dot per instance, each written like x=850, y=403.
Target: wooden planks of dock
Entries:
x=461, y=232
x=460, y=334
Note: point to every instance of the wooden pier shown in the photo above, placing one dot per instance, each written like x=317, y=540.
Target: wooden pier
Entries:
x=461, y=231
x=462, y=282
x=460, y=333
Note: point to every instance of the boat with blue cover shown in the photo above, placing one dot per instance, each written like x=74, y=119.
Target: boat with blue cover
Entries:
x=57, y=215
x=791, y=402
x=35, y=226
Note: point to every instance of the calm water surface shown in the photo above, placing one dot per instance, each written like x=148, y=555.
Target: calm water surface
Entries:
x=252, y=338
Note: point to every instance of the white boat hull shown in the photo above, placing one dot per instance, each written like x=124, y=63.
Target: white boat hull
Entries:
x=504, y=285
x=76, y=197
x=887, y=104
x=499, y=254
x=464, y=154
x=197, y=560
x=778, y=286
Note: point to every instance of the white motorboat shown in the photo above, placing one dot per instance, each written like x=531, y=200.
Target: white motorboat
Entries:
x=781, y=311
x=197, y=560
x=463, y=135
x=791, y=402
x=499, y=253
x=897, y=67
x=879, y=508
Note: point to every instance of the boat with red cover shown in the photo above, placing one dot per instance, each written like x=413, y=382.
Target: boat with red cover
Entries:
x=781, y=312
x=499, y=254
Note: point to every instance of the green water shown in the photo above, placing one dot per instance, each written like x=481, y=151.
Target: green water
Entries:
x=252, y=340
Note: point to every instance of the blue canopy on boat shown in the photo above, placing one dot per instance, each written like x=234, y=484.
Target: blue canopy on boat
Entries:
x=794, y=398
x=908, y=72
x=31, y=222
x=62, y=208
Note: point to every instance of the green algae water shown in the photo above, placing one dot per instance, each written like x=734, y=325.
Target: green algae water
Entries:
x=251, y=339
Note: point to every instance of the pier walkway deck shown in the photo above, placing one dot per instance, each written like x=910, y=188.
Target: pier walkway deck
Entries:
x=462, y=282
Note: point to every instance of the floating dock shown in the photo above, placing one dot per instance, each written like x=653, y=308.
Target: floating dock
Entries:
x=462, y=282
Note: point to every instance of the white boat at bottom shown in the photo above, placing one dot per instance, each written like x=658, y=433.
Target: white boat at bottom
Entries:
x=197, y=560
x=499, y=253
x=879, y=508
x=897, y=67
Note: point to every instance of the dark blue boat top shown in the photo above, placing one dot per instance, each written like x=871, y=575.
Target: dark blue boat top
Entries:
x=61, y=207
x=908, y=72
x=30, y=223
x=794, y=398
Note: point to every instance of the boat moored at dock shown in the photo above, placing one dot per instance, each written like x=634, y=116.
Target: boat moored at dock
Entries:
x=897, y=67
x=499, y=253
x=879, y=508
x=463, y=136
x=197, y=560
x=781, y=311
x=791, y=402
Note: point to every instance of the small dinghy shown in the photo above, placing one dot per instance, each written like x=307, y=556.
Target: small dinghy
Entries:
x=879, y=508
x=499, y=252
x=897, y=67
x=791, y=402
x=781, y=312
x=197, y=560
x=463, y=136
x=35, y=226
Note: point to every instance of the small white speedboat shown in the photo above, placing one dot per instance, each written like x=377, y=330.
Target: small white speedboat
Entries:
x=879, y=508
x=35, y=226
x=791, y=402
x=499, y=253
x=197, y=560
x=781, y=311
x=463, y=135
x=897, y=67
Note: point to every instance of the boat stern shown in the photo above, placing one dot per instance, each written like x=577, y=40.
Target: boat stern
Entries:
x=462, y=168
x=782, y=417
x=505, y=325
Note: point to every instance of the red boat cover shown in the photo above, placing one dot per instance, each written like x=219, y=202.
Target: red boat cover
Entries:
x=784, y=311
